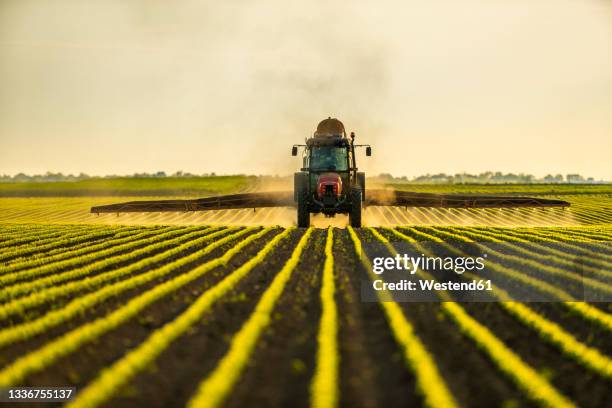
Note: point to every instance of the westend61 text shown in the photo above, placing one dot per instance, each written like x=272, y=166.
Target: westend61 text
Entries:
x=432, y=285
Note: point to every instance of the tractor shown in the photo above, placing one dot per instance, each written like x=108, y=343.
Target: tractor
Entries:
x=328, y=182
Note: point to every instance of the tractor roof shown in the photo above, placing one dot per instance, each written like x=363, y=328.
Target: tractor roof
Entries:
x=328, y=142
x=330, y=127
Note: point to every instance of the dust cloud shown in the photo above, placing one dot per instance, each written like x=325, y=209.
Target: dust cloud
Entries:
x=270, y=184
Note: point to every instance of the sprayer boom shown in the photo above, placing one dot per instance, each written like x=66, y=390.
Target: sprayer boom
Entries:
x=285, y=199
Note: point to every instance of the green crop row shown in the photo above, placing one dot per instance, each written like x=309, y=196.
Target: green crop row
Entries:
x=54, y=242
x=592, y=253
x=34, y=239
x=596, y=258
x=214, y=389
x=536, y=387
x=533, y=256
x=541, y=267
x=25, y=288
x=92, y=263
x=585, y=310
x=554, y=334
x=546, y=329
x=29, y=237
x=71, y=341
x=78, y=250
x=58, y=316
x=118, y=374
x=324, y=386
x=429, y=381
x=529, y=380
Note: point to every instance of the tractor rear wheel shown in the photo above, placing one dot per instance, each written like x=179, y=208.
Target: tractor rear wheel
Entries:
x=303, y=216
x=355, y=214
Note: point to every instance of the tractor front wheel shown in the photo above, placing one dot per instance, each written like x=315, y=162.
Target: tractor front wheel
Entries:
x=355, y=214
x=303, y=216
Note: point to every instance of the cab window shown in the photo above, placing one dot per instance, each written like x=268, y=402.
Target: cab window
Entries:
x=329, y=159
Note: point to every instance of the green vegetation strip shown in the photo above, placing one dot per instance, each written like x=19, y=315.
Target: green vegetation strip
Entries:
x=31, y=238
x=597, y=258
x=324, y=386
x=55, y=242
x=79, y=250
x=591, y=254
x=33, y=235
x=130, y=186
x=118, y=232
x=542, y=262
x=105, y=386
x=93, y=262
x=585, y=234
x=542, y=243
x=26, y=288
x=588, y=312
x=56, y=317
x=42, y=242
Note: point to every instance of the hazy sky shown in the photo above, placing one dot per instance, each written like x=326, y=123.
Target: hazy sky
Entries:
x=228, y=86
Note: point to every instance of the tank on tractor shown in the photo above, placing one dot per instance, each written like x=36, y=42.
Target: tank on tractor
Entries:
x=328, y=181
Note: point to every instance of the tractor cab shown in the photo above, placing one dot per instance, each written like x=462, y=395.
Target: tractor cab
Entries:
x=328, y=165
x=328, y=158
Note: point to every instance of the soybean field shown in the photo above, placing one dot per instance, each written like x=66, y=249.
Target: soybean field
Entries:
x=259, y=315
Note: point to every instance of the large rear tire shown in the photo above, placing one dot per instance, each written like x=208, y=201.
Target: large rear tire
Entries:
x=303, y=216
x=355, y=214
x=361, y=182
x=300, y=183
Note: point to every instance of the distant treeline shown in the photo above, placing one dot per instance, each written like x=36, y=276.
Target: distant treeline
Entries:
x=50, y=176
x=487, y=177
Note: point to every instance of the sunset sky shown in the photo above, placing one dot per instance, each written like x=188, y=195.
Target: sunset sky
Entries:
x=117, y=87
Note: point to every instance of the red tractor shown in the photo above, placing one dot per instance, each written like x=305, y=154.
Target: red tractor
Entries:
x=329, y=182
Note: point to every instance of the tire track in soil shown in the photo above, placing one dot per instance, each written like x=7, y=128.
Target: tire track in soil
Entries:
x=81, y=366
x=565, y=374
x=372, y=368
x=283, y=362
x=195, y=354
x=461, y=364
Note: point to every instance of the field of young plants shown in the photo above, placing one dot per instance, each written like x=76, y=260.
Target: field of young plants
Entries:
x=170, y=315
x=239, y=308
